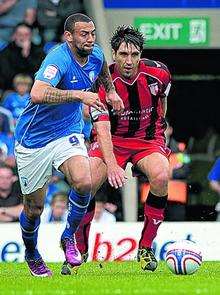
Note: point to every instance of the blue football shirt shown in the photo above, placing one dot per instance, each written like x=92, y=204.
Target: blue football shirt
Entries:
x=15, y=103
x=40, y=124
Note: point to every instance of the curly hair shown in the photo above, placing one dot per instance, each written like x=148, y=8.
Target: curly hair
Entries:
x=127, y=34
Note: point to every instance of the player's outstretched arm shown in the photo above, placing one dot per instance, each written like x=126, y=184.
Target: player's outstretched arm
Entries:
x=43, y=92
x=116, y=175
x=111, y=95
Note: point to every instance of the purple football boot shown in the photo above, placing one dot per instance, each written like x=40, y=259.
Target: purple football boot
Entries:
x=38, y=268
x=72, y=254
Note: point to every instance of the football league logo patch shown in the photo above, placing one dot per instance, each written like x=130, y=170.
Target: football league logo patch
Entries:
x=50, y=72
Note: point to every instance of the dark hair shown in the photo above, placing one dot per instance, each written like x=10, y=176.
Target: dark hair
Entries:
x=59, y=196
x=21, y=25
x=127, y=34
x=74, y=18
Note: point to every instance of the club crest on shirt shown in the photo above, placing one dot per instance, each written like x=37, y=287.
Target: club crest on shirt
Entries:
x=50, y=72
x=154, y=89
x=92, y=76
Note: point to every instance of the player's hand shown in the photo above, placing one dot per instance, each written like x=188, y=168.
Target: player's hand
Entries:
x=115, y=101
x=92, y=99
x=116, y=175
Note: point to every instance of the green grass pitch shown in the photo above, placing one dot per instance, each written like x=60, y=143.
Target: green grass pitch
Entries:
x=112, y=278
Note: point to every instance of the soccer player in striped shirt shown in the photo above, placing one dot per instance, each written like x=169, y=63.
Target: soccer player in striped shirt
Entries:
x=137, y=134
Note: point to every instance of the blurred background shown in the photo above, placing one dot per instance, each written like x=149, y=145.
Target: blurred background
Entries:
x=183, y=34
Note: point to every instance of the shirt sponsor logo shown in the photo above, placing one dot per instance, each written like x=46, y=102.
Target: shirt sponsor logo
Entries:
x=137, y=115
x=50, y=72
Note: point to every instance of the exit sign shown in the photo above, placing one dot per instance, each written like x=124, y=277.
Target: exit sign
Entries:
x=182, y=32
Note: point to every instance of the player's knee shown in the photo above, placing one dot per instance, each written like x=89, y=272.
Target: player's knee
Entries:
x=33, y=212
x=83, y=187
x=160, y=181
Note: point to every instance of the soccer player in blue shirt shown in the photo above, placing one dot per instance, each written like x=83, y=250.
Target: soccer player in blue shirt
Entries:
x=49, y=134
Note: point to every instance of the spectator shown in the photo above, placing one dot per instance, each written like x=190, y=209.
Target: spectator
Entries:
x=3, y=151
x=51, y=15
x=20, y=56
x=7, y=149
x=101, y=214
x=10, y=201
x=104, y=210
x=6, y=137
x=6, y=121
x=214, y=182
x=17, y=100
x=57, y=211
x=13, y=12
x=57, y=184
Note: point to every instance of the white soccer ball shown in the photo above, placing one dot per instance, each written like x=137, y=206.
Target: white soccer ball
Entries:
x=183, y=257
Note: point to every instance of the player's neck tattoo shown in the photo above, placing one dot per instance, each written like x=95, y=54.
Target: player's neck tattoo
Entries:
x=54, y=95
x=105, y=78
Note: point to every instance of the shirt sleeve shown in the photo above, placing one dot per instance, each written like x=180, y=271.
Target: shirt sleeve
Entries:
x=98, y=52
x=53, y=68
x=166, y=79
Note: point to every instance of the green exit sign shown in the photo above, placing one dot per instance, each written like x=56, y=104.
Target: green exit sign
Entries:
x=170, y=31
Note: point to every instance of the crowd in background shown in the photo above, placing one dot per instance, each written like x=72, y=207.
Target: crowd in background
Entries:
x=28, y=30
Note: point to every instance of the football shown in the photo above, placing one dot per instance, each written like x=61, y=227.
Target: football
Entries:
x=183, y=257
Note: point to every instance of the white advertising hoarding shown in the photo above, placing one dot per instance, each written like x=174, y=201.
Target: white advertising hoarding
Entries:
x=117, y=241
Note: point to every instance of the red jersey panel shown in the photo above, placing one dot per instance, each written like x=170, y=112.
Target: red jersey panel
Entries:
x=142, y=97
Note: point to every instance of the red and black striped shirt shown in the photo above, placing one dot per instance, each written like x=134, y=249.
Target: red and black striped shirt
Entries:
x=142, y=97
